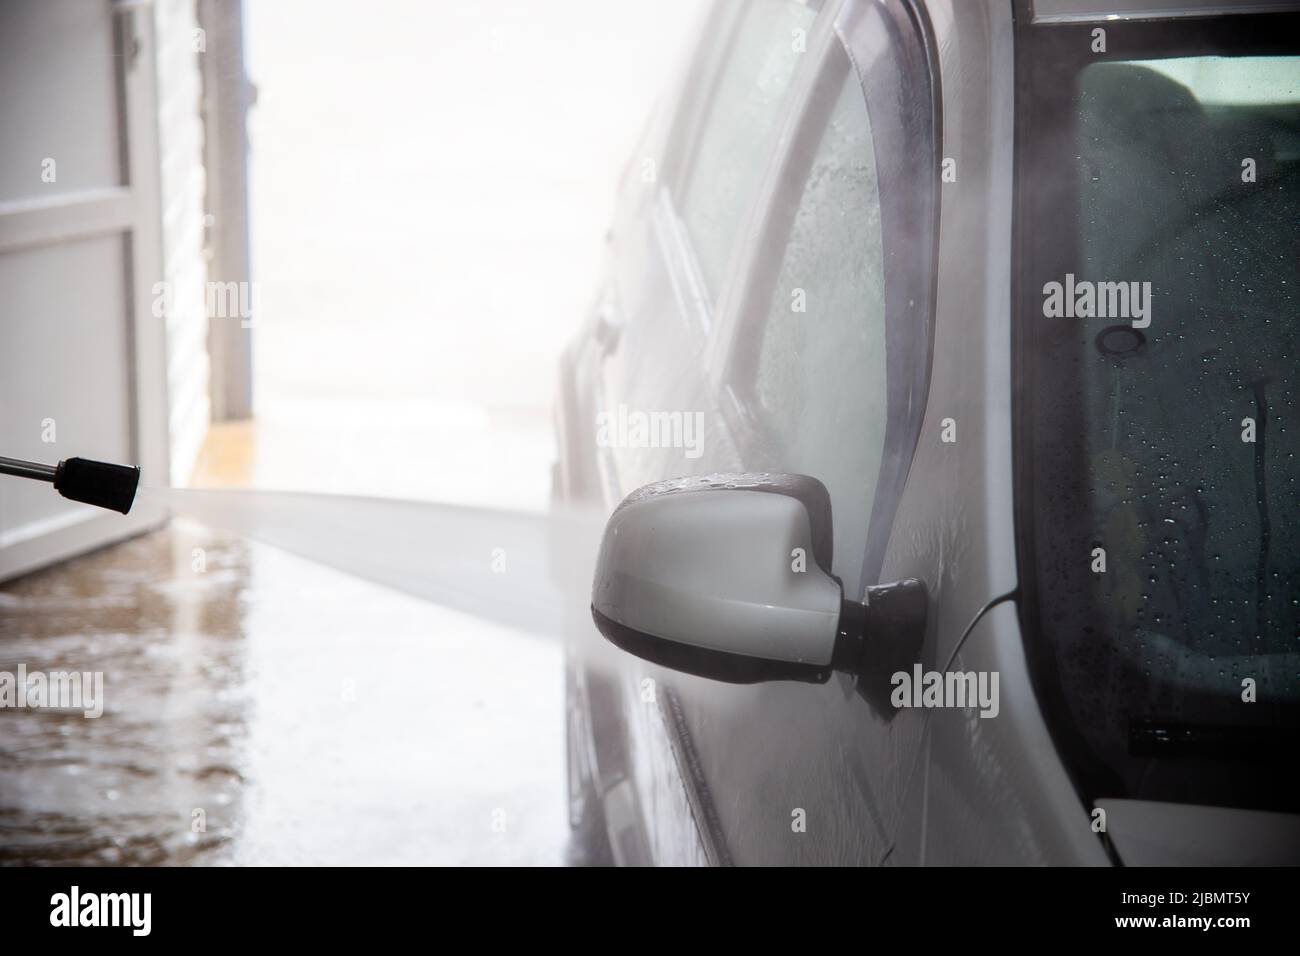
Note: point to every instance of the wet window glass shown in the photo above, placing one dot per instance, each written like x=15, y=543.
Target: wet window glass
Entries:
x=1164, y=406
x=740, y=127
x=820, y=383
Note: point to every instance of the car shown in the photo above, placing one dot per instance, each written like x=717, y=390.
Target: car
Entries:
x=941, y=390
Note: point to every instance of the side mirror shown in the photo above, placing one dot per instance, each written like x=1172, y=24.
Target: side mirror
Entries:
x=728, y=577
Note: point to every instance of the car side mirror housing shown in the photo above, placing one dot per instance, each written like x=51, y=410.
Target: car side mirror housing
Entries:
x=728, y=577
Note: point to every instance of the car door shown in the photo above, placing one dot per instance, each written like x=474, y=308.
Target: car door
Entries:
x=814, y=361
x=684, y=211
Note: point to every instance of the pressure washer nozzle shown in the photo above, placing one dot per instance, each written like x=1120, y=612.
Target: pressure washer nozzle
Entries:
x=95, y=483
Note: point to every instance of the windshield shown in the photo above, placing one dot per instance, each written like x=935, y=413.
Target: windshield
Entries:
x=1159, y=183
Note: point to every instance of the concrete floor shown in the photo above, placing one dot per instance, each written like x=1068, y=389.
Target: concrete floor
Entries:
x=312, y=717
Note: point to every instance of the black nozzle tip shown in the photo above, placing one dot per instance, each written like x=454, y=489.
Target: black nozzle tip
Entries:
x=97, y=483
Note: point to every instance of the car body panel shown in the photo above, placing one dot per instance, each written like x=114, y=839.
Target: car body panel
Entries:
x=995, y=791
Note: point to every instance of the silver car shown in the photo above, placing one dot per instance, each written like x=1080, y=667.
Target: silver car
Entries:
x=942, y=392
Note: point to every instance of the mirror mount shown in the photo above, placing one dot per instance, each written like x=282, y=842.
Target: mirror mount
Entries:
x=883, y=634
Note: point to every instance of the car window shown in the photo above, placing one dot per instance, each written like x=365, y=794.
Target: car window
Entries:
x=739, y=127
x=1165, y=385
x=819, y=389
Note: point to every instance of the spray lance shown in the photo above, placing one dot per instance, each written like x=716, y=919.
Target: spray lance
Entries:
x=81, y=479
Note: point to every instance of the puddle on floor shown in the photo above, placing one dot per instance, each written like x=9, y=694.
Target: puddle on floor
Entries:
x=262, y=709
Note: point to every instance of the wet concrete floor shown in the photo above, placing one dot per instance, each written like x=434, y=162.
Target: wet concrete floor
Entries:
x=262, y=709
